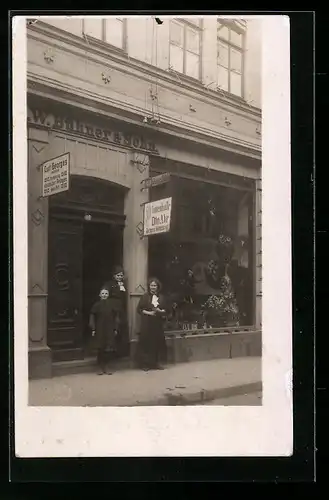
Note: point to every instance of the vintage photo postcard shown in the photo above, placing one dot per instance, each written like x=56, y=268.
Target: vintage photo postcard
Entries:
x=152, y=236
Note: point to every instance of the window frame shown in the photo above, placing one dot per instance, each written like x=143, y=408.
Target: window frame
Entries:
x=186, y=24
x=232, y=26
x=103, y=41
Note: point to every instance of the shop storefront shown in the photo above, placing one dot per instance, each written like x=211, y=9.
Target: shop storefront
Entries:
x=207, y=261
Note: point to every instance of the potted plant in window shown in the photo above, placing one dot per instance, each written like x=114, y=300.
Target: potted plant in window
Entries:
x=222, y=309
x=212, y=308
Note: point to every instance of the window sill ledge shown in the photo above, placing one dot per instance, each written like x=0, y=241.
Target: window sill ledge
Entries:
x=104, y=45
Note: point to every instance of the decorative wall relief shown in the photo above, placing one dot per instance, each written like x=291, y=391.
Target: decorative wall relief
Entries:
x=141, y=168
x=106, y=78
x=227, y=122
x=61, y=274
x=141, y=161
x=140, y=288
x=49, y=56
x=38, y=150
x=37, y=217
x=140, y=229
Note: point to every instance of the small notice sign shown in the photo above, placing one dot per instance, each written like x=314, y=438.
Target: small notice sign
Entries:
x=56, y=175
x=157, y=180
x=157, y=216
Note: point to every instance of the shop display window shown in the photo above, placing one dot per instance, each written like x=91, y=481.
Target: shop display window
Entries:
x=205, y=262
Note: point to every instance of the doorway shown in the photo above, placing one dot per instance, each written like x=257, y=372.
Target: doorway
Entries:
x=102, y=249
x=85, y=241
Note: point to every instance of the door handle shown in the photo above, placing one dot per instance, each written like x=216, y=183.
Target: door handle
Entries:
x=76, y=312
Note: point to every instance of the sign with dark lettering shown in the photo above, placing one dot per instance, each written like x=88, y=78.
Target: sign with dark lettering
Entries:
x=76, y=126
x=55, y=175
x=157, y=180
x=157, y=216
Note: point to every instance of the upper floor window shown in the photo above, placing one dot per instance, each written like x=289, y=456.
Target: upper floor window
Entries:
x=109, y=30
x=185, y=47
x=230, y=54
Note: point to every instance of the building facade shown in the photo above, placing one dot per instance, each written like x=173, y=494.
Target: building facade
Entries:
x=131, y=99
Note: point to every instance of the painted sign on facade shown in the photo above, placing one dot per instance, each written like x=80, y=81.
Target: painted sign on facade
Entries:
x=73, y=125
x=157, y=216
x=56, y=175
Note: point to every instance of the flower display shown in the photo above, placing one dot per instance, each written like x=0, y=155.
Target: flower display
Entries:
x=214, y=302
x=224, y=302
x=212, y=268
x=225, y=240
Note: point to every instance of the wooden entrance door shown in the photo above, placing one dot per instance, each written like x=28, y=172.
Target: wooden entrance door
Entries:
x=65, y=285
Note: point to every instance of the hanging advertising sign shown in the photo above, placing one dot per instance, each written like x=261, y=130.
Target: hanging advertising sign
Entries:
x=157, y=216
x=157, y=180
x=56, y=175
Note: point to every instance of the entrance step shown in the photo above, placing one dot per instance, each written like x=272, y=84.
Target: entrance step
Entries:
x=63, y=355
x=86, y=365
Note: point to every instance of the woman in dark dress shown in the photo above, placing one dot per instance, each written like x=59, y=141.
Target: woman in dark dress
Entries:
x=117, y=288
x=102, y=324
x=152, y=344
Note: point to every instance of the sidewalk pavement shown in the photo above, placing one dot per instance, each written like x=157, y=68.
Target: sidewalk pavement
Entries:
x=182, y=384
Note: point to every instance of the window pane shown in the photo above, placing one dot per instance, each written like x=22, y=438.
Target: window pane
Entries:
x=222, y=54
x=236, y=61
x=222, y=78
x=192, y=40
x=236, y=84
x=176, y=33
x=176, y=58
x=222, y=31
x=192, y=65
x=114, y=32
x=236, y=38
x=193, y=20
x=93, y=27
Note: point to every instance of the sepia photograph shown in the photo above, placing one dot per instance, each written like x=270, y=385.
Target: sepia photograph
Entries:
x=144, y=196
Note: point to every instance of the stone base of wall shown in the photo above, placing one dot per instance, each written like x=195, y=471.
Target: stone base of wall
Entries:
x=40, y=363
x=211, y=346
x=246, y=344
x=181, y=349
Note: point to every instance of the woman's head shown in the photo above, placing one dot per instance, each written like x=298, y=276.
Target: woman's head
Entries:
x=154, y=285
x=118, y=273
x=104, y=294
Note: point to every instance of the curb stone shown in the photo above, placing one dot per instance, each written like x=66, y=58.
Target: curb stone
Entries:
x=201, y=396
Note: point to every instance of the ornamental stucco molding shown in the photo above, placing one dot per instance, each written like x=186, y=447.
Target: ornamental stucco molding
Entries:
x=123, y=110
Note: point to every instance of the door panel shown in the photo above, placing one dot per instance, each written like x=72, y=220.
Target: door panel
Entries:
x=64, y=283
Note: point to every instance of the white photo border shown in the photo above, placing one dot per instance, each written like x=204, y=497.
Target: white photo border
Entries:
x=266, y=430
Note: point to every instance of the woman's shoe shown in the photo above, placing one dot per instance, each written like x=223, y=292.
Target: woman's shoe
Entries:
x=100, y=371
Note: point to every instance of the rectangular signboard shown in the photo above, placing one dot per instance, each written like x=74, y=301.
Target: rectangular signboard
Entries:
x=157, y=216
x=157, y=180
x=56, y=175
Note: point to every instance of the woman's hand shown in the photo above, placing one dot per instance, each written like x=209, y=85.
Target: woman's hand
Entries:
x=149, y=313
